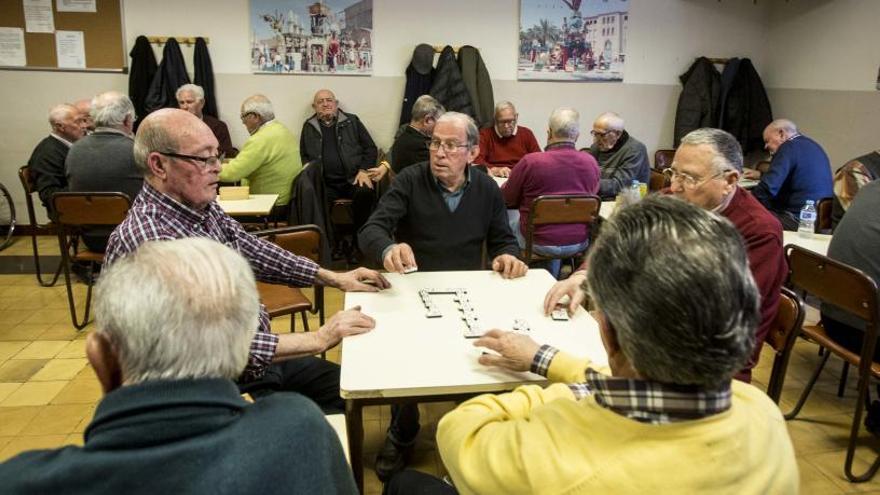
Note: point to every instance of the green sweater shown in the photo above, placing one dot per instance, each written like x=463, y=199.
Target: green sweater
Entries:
x=269, y=160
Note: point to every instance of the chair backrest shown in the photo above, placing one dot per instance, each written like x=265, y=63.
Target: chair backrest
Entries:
x=658, y=181
x=561, y=209
x=24, y=175
x=663, y=159
x=77, y=209
x=823, y=214
x=302, y=240
x=789, y=319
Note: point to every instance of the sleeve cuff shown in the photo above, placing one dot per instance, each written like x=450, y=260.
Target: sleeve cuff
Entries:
x=542, y=359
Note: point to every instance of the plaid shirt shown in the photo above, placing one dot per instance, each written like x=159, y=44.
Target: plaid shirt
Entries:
x=642, y=400
x=156, y=217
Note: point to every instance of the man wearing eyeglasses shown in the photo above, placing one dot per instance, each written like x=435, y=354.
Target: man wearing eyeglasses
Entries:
x=436, y=216
x=504, y=144
x=269, y=159
x=621, y=157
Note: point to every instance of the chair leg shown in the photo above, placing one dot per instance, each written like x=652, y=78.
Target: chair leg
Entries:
x=37, y=265
x=79, y=325
x=853, y=438
x=841, y=387
x=803, y=398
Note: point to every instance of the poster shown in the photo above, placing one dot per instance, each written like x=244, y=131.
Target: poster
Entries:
x=71, y=50
x=572, y=40
x=38, y=17
x=12, y=47
x=306, y=37
x=75, y=6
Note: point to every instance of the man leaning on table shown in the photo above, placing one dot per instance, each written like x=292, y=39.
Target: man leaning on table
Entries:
x=436, y=216
x=668, y=418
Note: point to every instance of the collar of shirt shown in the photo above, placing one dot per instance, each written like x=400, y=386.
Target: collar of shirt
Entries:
x=725, y=202
x=66, y=142
x=263, y=125
x=173, y=207
x=112, y=130
x=452, y=198
x=515, y=128
x=559, y=145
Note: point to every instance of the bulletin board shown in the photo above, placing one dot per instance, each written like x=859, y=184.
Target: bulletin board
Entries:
x=102, y=36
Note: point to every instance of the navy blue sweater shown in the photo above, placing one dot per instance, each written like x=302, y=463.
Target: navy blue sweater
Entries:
x=800, y=170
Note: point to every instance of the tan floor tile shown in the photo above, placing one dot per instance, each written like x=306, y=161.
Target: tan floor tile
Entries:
x=57, y=419
x=73, y=349
x=813, y=481
x=14, y=419
x=7, y=388
x=20, y=332
x=75, y=439
x=48, y=316
x=79, y=392
x=830, y=465
x=9, y=349
x=20, y=370
x=84, y=423
x=59, y=331
x=808, y=437
x=14, y=316
x=374, y=437
x=4, y=441
x=21, y=444
x=42, y=349
x=33, y=394
x=60, y=369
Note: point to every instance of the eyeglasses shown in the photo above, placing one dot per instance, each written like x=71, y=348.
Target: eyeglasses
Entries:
x=507, y=122
x=244, y=115
x=448, y=146
x=204, y=162
x=687, y=180
x=601, y=134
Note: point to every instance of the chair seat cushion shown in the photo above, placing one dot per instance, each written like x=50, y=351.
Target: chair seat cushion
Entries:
x=281, y=300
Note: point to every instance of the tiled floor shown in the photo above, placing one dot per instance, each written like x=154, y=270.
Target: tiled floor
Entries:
x=48, y=391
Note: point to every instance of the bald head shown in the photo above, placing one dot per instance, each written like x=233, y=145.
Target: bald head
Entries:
x=84, y=107
x=163, y=131
x=326, y=106
x=64, y=121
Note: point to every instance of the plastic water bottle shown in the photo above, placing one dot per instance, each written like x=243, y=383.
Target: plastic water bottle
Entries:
x=807, y=225
x=635, y=193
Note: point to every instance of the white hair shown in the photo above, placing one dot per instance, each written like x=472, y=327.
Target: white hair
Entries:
x=259, y=105
x=180, y=309
x=470, y=127
x=564, y=123
x=504, y=105
x=110, y=109
x=61, y=112
x=784, y=125
x=195, y=89
x=612, y=121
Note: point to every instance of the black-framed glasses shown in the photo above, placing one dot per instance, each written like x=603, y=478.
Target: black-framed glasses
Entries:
x=448, y=146
x=204, y=162
x=601, y=134
x=687, y=180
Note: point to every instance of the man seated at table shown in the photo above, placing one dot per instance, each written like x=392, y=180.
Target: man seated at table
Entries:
x=46, y=164
x=269, y=159
x=172, y=326
x=622, y=158
x=705, y=172
x=411, y=145
x=436, y=216
x=669, y=403
x=561, y=169
x=799, y=171
x=505, y=143
x=191, y=97
x=103, y=160
x=849, y=179
x=84, y=106
x=177, y=153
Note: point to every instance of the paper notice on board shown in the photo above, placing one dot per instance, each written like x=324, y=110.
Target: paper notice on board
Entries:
x=38, y=16
x=12, y=47
x=71, y=49
x=75, y=6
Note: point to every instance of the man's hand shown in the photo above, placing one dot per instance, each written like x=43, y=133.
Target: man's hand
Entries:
x=357, y=280
x=343, y=324
x=570, y=287
x=378, y=173
x=517, y=351
x=750, y=173
x=509, y=266
x=362, y=179
x=499, y=171
x=399, y=258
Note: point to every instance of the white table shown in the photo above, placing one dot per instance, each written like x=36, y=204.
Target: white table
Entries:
x=257, y=205
x=409, y=357
x=748, y=183
x=818, y=243
x=337, y=422
x=607, y=209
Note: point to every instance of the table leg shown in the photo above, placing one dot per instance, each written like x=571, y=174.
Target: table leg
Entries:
x=354, y=423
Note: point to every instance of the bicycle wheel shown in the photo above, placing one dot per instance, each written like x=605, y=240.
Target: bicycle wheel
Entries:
x=7, y=217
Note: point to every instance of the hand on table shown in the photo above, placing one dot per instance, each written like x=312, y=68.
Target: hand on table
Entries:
x=343, y=324
x=570, y=287
x=499, y=171
x=399, y=258
x=362, y=179
x=357, y=280
x=509, y=266
x=750, y=173
x=517, y=350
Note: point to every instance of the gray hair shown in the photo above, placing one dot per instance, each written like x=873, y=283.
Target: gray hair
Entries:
x=110, y=109
x=471, y=130
x=676, y=287
x=260, y=105
x=195, y=89
x=426, y=106
x=564, y=124
x=784, y=125
x=61, y=112
x=180, y=309
x=727, y=151
x=612, y=121
x=504, y=105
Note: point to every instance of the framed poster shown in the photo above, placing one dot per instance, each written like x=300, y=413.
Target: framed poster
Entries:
x=572, y=40
x=312, y=37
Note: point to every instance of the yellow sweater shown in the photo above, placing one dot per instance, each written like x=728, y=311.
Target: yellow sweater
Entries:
x=269, y=160
x=543, y=441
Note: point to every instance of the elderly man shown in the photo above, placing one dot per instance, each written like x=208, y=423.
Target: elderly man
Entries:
x=46, y=163
x=411, y=145
x=191, y=97
x=346, y=151
x=84, y=107
x=799, y=171
x=437, y=216
x=505, y=143
x=269, y=159
x=177, y=153
x=561, y=169
x=103, y=160
x=669, y=403
x=173, y=322
x=621, y=157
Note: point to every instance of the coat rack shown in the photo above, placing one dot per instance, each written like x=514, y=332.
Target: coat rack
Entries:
x=183, y=40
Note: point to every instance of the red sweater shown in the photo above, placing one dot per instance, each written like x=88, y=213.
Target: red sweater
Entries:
x=505, y=152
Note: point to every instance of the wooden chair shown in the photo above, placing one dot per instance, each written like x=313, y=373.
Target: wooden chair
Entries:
x=75, y=212
x=658, y=181
x=281, y=300
x=823, y=215
x=854, y=292
x=663, y=159
x=24, y=175
x=559, y=209
x=782, y=336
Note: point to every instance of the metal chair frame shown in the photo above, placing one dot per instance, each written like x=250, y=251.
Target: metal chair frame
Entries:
x=26, y=183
